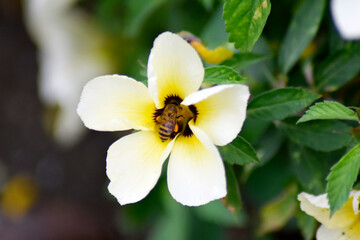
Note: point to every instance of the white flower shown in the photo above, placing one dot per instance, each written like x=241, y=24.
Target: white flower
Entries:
x=70, y=53
x=346, y=18
x=195, y=173
x=345, y=222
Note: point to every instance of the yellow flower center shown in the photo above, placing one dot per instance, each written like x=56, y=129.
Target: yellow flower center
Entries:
x=173, y=119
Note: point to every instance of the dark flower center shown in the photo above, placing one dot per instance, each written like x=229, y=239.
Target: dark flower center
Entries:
x=173, y=119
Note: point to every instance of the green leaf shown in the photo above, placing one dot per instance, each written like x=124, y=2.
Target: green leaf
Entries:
x=342, y=177
x=328, y=110
x=308, y=169
x=280, y=103
x=239, y=152
x=307, y=224
x=300, y=33
x=233, y=199
x=220, y=75
x=322, y=135
x=245, y=20
x=242, y=60
x=278, y=212
x=338, y=68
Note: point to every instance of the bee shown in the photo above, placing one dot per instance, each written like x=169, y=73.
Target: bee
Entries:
x=167, y=121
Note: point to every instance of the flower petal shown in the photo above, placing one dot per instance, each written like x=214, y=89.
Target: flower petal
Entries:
x=318, y=207
x=133, y=165
x=356, y=202
x=324, y=233
x=350, y=233
x=353, y=232
x=221, y=111
x=174, y=68
x=116, y=103
x=320, y=201
x=196, y=172
x=346, y=17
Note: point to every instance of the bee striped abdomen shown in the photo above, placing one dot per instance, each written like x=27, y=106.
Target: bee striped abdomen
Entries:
x=166, y=122
x=166, y=129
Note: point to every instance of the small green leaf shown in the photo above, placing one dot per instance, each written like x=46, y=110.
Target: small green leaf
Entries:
x=245, y=20
x=342, y=177
x=300, y=33
x=307, y=169
x=322, y=135
x=233, y=199
x=280, y=103
x=328, y=110
x=220, y=75
x=339, y=68
x=239, y=152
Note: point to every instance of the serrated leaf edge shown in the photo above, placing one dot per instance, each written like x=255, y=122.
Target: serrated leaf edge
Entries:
x=334, y=106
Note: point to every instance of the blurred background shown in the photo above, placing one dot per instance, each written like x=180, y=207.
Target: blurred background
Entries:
x=52, y=169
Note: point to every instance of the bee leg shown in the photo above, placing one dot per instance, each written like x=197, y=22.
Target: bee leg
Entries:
x=157, y=118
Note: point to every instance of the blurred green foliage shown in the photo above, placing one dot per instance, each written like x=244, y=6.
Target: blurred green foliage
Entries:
x=299, y=59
